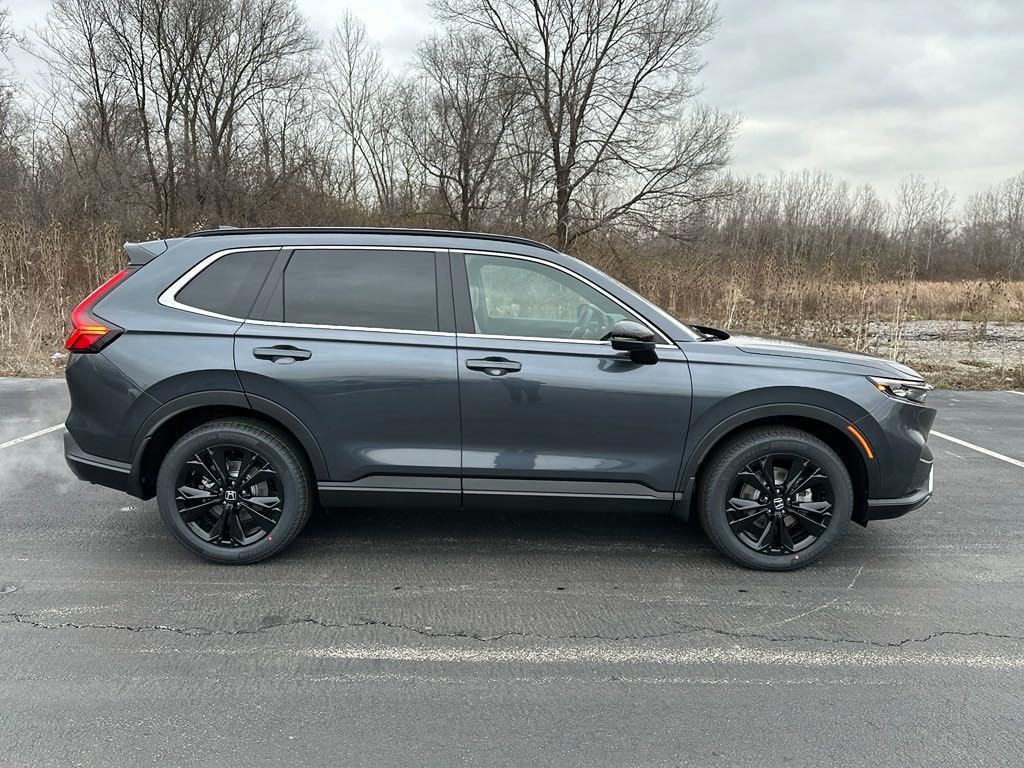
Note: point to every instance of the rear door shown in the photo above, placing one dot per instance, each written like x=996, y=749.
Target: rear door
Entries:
x=358, y=344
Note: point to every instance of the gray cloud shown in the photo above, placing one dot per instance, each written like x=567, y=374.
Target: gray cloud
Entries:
x=874, y=89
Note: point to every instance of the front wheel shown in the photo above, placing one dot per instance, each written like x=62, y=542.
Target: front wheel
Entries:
x=775, y=499
x=234, y=491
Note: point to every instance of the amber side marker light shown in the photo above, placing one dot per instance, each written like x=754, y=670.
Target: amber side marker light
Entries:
x=860, y=439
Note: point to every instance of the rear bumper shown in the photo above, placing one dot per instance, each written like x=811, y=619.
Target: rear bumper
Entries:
x=96, y=469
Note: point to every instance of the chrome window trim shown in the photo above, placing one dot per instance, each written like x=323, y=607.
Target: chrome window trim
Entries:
x=346, y=328
x=168, y=297
x=550, y=339
x=579, y=277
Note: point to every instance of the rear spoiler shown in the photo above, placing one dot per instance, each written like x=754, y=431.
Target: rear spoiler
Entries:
x=143, y=253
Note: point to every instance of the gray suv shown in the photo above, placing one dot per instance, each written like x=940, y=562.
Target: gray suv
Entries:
x=241, y=376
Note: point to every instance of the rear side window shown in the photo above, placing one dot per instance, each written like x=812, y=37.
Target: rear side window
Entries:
x=394, y=290
x=229, y=285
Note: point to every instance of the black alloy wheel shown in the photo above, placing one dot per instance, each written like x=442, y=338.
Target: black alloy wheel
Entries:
x=780, y=503
x=229, y=495
x=235, y=491
x=775, y=498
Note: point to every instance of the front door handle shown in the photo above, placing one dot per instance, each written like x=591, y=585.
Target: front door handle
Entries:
x=282, y=353
x=494, y=366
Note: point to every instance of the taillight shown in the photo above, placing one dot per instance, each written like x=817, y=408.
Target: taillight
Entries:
x=89, y=333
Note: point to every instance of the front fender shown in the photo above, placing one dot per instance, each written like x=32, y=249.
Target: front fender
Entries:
x=734, y=413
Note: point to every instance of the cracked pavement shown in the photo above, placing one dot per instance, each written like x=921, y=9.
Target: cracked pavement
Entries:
x=420, y=638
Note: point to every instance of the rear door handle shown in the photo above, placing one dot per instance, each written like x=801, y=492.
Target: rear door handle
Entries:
x=494, y=366
x=282, y=353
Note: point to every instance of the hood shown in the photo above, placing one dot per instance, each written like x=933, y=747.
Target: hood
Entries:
x=764, y=345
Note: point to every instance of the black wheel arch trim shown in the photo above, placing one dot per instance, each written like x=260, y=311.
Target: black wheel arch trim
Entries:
x=299, y=430
x=705, y=444
x=234, y=399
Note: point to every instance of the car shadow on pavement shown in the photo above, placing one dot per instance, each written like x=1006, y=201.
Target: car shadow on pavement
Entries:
x=574, y=528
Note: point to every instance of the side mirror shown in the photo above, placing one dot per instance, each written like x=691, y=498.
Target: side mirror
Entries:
x=629, y=336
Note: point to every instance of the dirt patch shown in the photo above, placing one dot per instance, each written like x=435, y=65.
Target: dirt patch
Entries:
x=952, y=354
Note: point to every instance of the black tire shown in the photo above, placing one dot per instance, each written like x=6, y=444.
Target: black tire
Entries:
x=722, y=476
x=288, y=471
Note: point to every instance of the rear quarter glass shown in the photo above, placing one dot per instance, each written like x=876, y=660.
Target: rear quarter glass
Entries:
x=228, y=286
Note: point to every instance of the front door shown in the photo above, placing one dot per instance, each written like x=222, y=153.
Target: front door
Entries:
x=550, y=411
x=357, y=344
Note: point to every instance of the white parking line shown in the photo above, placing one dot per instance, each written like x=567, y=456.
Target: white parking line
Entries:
x=23, y=438
x=1015, y=392
x=979, y=449
x=610, y=654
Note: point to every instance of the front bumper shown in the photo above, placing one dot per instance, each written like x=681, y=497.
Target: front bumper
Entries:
x=886, y=509
x=900, y=476
x=96, y=469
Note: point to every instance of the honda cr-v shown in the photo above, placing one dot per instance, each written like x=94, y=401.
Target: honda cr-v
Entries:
x=243, y=376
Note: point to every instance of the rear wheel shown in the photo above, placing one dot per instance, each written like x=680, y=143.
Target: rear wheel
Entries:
x=234, y=491
x=775, y=499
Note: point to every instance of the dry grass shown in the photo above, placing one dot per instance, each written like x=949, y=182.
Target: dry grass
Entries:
x=45, y=271
x=770, y=297
x=43, y=274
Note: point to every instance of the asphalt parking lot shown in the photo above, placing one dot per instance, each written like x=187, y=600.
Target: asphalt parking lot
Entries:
x=415, y=638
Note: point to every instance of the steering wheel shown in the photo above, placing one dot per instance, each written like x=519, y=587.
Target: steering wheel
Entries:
x=591, y=322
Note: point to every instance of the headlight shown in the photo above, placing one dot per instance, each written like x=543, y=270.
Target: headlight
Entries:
x=902, y=389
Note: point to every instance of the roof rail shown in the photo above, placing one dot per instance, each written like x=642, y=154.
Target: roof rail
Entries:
x=227, y=230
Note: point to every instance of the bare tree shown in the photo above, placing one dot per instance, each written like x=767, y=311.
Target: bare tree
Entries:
x=288, y=140
x=165, y=92
x=247, y=51
x=923, y=218
x=610, y=81
x=572, y=117
x=10, y=126
x=993, y=228
x=82, y=69
x=527, y=176
x=470, y=110
x=5, y=31
x=156, y=43
x=357, y=89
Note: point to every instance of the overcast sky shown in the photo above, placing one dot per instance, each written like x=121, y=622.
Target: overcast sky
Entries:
x=870, y=90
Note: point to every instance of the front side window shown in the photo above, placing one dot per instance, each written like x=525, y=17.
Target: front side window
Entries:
x=514, y=297
x=392, y=290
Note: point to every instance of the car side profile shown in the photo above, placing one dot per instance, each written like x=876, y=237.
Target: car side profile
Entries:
x=243, y=376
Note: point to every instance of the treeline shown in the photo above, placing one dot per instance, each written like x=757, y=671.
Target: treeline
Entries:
x=815, y=222
x=573, y=121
